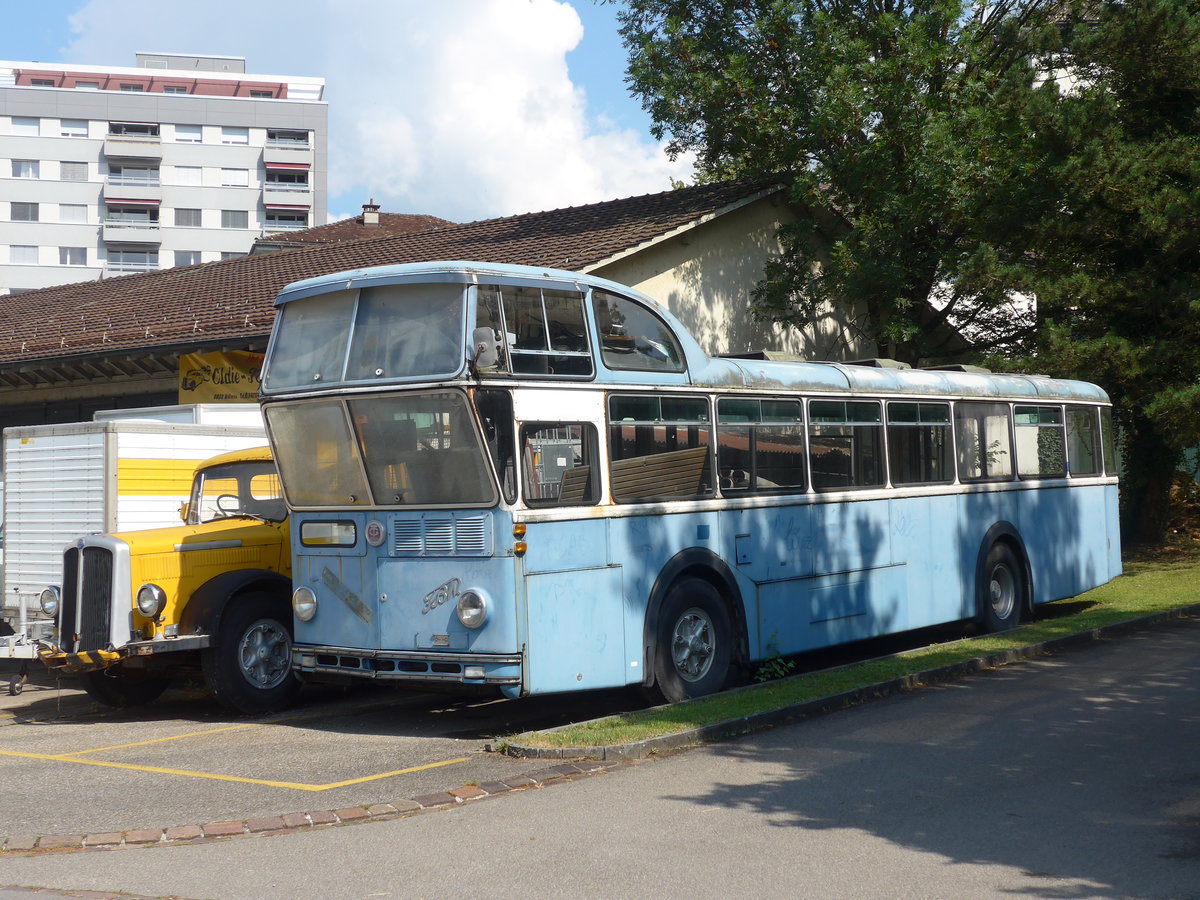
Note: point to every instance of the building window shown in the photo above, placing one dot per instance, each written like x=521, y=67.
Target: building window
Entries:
x=278, y=137
x=235, y=178
x=133, y=175
x=26, y=168
x=24, y=212
x=72, y=256
x=187, y=218
x=231, y=135
x=23, y=255
x=74, y=213
x=235, y=218
x=230, y=254
x=262, y=95
x=287, y=181
x=189, y=134
x=187, y=257
x=73, y=128
x=280, y=221
x=134, y=216
x=73, y=171
x=188, y=175
x=41, y=82
x=134, y=88
x=132, y=260
x=26, y=125
x=175, y=89
x=134, y=129
x=87, y=85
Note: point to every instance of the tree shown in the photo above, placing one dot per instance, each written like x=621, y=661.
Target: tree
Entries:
x=1118, y=273
x=902, y=125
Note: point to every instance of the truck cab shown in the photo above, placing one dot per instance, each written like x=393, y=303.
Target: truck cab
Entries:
x=137, y=609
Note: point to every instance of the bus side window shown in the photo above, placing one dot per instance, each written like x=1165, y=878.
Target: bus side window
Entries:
x=760, y=445
x=919, y=445
x=1083, y=441
x=659, y=448
x=632, y=337
x=558, y=464
x=984, y=445
x=845, y=444
x=1041, y=443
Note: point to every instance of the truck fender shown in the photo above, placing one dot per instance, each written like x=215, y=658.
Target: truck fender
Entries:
x=702, y=563
x=202, y=615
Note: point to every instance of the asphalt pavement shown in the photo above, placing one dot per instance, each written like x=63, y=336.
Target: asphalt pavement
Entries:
x=1071, y=776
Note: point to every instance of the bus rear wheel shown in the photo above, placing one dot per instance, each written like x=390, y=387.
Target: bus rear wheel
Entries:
x=1001, y=589
x=693, y=644
x=249, y=666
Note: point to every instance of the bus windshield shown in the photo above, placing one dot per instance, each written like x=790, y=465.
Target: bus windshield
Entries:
x=395, y=331
x=382, y=450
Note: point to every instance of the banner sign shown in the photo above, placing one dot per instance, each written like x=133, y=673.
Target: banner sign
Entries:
x=221, y=377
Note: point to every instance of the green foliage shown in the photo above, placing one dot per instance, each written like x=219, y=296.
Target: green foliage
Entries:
x=775, y=666
x=902, y=125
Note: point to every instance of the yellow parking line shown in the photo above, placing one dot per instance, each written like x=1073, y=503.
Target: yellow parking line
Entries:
x=177, y=737
x=69, y=758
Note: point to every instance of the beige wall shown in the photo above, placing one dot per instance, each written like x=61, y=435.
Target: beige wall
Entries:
x=706, y=275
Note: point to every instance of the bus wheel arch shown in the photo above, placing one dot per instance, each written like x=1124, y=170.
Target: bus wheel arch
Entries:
x=1003, y=580
x=695, y=602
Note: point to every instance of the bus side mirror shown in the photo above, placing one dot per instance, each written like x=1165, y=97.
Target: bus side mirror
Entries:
x=487, y=353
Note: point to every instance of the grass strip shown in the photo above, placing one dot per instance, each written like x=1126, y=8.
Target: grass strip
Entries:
x=1151, y=584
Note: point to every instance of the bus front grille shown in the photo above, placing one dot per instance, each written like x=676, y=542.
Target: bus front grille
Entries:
x=434, y=535
x=86, y=600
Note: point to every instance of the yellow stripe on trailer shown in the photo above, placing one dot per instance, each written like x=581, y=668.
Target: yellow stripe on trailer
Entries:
x=155, y=477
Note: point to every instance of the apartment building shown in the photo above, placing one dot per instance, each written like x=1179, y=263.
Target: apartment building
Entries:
x=105, y=171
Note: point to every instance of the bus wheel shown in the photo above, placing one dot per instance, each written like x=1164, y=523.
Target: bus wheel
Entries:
x=121, y=689
x=692, y=652
x=249, y=665
x=1001, y=591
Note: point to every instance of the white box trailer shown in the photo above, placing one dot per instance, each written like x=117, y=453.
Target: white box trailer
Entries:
x=63, y=481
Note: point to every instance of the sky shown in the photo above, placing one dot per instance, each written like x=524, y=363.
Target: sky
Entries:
x=463, y=109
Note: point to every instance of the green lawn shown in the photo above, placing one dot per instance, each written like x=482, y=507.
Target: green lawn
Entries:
x=1151, y=584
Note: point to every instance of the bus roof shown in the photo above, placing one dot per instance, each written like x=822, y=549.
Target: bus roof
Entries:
x=722, y=372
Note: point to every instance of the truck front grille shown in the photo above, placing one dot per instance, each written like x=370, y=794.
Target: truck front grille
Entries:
x=86, y=600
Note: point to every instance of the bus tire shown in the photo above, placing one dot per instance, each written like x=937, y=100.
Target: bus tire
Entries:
x=693, y=648
x=122, y=689
x=1001, y=591
x=249, y=666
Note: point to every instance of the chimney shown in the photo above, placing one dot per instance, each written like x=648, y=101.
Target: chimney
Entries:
x=370, y=212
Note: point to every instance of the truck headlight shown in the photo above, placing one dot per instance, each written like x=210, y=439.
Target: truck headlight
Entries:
x=151, y=600
x=49, y=598
x=304, y=604
x=472, y=608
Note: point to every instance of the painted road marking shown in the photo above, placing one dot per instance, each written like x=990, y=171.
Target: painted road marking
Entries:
x=296, y=786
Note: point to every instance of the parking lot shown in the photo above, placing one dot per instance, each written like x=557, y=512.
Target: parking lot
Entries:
x=70, y=765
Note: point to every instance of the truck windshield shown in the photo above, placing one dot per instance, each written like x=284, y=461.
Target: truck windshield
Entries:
x=248, y=488
x=401, y=450
x=385, y=333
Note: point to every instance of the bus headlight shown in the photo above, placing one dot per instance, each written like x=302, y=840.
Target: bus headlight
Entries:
x=151, y=600
x=472, y=608
x=304, y=604
x=49, y=598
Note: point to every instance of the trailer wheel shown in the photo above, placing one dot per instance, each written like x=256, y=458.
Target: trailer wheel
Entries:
x=249, y=666
x=113, y=687
x=694, y=642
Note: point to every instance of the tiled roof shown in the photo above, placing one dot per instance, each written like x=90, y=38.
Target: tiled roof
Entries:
x=354, y=229
x=231, y=301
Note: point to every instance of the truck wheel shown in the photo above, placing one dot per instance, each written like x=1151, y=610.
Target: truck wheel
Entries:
x=249, y=666
x=123, y=689
x=694, y=642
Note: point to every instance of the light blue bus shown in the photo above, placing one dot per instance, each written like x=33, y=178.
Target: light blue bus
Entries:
x=537, y=480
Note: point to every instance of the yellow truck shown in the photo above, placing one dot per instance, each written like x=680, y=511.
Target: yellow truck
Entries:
x=136, y=609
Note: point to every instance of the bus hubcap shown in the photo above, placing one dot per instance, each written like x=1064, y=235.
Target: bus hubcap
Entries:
x=692, y=645
x=1003, y=592
x=265, y=654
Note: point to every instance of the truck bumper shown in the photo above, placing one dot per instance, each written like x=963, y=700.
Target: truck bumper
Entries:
x=94, y=660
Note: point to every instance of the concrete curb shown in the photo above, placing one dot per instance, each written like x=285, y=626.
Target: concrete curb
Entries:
x=588, y=761
x=822, y=705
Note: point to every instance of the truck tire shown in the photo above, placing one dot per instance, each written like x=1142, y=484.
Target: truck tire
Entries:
x=249, y=666
x=122, y=689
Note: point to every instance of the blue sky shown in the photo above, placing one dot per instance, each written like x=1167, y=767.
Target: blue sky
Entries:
x=464, y=109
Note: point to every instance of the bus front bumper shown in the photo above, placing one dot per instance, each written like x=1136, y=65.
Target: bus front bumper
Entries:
x=409, y=665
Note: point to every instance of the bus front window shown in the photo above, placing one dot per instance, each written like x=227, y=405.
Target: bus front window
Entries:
x=318, y=457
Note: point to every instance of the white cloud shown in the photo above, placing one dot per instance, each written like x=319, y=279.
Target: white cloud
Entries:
x=463, y=109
